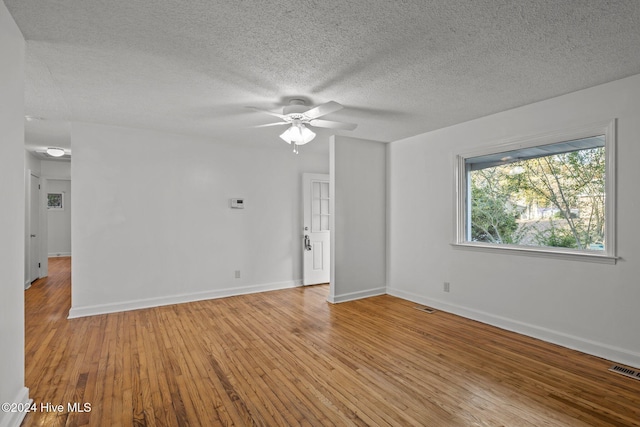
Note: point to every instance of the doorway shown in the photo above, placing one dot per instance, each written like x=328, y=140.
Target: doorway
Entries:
x=316, y=259
x=58, y=218
x=33, y=241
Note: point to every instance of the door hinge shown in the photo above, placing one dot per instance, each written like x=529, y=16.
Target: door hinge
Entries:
x=38, y=265
x=38, y=186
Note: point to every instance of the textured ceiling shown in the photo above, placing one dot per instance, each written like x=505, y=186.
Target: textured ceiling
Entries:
x=400, y=68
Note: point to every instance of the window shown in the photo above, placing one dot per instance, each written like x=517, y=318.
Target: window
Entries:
x=548, y=195
x=55, y=201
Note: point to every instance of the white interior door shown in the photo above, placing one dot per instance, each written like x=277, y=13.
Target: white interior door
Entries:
x=34, y=229
x=316, y=237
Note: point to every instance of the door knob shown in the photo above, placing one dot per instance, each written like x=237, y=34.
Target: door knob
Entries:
x=307, y=243
x=33, y=235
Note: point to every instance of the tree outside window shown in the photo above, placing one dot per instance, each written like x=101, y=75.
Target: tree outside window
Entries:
x=555, y=201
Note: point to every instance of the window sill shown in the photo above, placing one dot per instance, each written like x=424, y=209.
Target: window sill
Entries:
x=555, y=253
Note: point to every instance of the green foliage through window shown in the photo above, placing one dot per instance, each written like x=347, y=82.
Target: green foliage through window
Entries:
x=554, y=200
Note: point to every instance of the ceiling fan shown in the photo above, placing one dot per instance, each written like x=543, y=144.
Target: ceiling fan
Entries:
x=298, y=115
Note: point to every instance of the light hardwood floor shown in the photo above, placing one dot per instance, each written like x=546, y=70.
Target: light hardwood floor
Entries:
x=288, y=358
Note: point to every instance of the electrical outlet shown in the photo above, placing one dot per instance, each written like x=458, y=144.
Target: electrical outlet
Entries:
x=237, y=274
x=446, y=287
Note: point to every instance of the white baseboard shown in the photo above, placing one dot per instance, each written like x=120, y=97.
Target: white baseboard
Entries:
x=357, y=295
x=59, y=254
x=605, y=351
x=177, y=299
x=27, y=285
x=13, y=419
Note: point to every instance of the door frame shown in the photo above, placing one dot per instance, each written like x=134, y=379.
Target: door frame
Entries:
x=44, y=221
x=30, y=212
x=305, y=201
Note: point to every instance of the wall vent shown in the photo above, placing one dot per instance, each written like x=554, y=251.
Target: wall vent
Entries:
x=627, y=372
x=425, y=309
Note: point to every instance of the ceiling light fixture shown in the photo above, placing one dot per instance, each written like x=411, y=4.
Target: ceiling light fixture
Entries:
x=297, y=134
x=55, y=151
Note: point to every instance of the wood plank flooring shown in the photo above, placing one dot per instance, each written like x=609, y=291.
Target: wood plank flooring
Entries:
x=289, y=358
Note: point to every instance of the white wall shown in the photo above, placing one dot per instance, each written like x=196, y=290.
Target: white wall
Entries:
x=59, y=221
x=152, y=224
x=12, y=217
x=358, y=227
x=591, y=307
x=32, y=163
x=57, y=169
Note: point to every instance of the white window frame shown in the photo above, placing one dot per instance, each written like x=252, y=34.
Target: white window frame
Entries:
x=608, y=256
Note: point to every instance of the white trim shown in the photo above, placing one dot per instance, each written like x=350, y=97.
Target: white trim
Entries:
x=352, y=296
x=607, y=128
x=14, y=419
x=605, y=351
x=388, y=219
x=30, y=174
x=94, y=310
x=59, y=254
x=332, y=218
x=538, y=251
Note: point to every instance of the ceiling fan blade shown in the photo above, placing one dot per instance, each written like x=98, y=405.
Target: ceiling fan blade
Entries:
x=281, y=116
x=272, y=124
x=323, y=109
x=332, y=125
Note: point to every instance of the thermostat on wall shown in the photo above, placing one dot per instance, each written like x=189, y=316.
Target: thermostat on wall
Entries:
x=237, y=203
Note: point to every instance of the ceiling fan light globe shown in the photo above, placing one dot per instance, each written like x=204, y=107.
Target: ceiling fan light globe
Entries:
x=286, y=136
x=298, y=134
x=306, y=135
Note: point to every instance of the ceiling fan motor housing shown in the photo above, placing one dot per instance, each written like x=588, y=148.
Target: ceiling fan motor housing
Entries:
x=296, y=106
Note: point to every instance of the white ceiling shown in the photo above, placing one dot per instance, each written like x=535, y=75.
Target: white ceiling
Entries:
x=400, y=67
